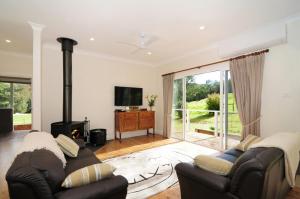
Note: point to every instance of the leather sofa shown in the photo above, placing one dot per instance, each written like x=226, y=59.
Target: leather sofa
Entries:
x=258, y=173
x=39, y=175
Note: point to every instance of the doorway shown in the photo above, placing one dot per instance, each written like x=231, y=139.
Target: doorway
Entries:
x=15, y=93
x=204, y=110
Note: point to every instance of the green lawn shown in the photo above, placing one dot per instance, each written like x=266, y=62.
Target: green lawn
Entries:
x=206, y=121
x=22, y=118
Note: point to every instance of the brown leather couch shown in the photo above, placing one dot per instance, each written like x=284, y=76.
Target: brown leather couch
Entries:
x=39, y=175
x=258, y=173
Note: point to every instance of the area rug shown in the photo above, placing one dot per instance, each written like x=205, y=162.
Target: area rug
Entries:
x=153, y=170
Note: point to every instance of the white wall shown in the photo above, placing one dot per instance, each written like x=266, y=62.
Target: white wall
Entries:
x=94, y=79
x=15, y=65
x=281, y=85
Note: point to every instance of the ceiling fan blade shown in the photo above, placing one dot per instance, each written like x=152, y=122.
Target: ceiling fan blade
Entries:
x=136, y=51
x=151, y=40
x=128, y=44
x=145, y=49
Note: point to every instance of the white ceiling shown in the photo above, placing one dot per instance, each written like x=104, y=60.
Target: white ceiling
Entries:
x=175, y=22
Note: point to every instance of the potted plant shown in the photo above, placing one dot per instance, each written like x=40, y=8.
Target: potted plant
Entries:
x=151, y=100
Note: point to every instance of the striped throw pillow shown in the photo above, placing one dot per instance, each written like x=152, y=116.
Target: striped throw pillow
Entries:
x=89, y=174
x=67, y=145
x=247, y=142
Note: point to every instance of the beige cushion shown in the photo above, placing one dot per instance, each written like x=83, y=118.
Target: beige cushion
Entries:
x=88, y=175
x=247, y=142
x=67, y=145
x=258, y=139
x=213, y=164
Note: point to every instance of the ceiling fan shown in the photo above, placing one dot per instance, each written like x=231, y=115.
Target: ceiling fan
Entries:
x=143, y=43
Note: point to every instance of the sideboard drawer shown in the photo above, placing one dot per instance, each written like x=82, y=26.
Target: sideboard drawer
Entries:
x=146, y=119
x=134, y=120
x=129, y=121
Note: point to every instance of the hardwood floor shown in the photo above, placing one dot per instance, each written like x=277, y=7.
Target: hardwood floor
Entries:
x=174, y=193
x=294, y=194
x=115, y=148
x=10, y=143
x=171, y=193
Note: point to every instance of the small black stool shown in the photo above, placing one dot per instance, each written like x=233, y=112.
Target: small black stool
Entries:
x=98, y=137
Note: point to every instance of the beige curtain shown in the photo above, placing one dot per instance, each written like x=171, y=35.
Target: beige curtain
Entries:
x=247, y=77
x=168, y=101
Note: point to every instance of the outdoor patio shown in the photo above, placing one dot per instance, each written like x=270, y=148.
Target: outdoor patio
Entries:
x=206, y=140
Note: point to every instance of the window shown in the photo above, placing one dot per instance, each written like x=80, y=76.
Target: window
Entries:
x=16, y=93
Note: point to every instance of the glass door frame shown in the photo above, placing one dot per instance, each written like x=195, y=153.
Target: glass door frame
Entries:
x=182, y=109
x=224, y=70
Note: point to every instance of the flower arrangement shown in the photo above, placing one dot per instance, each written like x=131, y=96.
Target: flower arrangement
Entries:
x=151, y=100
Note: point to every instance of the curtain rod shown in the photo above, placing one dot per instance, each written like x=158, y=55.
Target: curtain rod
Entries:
x=217, y=62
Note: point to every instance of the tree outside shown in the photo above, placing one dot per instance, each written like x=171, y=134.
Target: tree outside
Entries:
x=194, y=92
x=177, y=97
x=22, y=98
x=5, y=95
x=17, y=96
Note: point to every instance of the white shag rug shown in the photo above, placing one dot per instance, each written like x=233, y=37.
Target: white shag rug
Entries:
x=153, y=170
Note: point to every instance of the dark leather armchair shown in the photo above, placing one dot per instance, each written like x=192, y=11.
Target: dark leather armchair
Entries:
x=6, y=122
x=39, y=175
x=258, y=173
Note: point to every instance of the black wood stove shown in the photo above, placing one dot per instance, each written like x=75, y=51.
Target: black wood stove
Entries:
x=74, y=129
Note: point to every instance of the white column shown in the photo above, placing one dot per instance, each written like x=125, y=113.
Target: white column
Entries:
x=36, y=84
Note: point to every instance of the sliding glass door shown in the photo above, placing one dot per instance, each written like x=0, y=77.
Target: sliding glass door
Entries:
x=178, y=110
x=18, y=97
x=204, y=111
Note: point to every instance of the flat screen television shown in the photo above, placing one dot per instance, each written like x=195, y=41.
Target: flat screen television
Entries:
x=128, y=96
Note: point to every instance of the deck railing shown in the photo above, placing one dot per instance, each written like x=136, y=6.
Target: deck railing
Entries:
x=208, y=120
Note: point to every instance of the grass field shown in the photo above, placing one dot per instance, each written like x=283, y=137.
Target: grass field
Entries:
x=22, y=118
x=205, y=120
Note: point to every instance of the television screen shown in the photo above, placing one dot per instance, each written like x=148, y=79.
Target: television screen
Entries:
x=128, y=96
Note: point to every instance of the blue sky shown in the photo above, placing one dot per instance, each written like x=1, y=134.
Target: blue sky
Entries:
x=202, y=78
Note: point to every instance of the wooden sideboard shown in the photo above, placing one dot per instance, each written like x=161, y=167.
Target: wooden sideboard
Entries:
x=133, y=121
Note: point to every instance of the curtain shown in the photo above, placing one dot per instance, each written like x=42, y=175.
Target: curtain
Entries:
x=247, y=77
x=168, y=101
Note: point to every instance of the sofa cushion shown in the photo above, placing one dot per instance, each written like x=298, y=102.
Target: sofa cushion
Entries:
x=213, y=164
x=67, y=145
x=247, y=142
x=112, y=188
x=231, y=155
x=227, y=157
x=89, y=174
x=82, y=153
x=74, y=164
x=80, y=143
x=234, y=152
